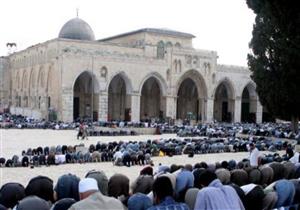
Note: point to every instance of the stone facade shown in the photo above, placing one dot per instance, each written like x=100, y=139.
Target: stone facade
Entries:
x=144, y=74
x=4, y=83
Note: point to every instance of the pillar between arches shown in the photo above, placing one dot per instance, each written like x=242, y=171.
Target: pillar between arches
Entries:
x=135, y=107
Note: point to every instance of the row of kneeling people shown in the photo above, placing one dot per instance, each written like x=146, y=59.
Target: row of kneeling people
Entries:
x=133, y=152
x=226, y=185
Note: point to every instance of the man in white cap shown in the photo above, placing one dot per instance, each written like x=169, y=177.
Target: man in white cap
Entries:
x=92, y=198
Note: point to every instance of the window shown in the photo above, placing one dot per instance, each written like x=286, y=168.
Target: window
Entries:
x=178, y=45
x=160, y=50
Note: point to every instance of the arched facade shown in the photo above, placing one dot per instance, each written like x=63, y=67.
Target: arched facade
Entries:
x=85, y=96
x=148, y=74
x=152, y=99
x=249, y=103
x=191, y=96
x=224, y=101
x=119, y=101
x=32, y=83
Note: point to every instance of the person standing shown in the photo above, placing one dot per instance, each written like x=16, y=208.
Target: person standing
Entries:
x=255, y=156
x=80, y=130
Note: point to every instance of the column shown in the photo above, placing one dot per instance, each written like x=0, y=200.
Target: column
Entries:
x=237, y=109
x=210, y=110
x=66, y=112
x=103, y=106
x=44, y=107
x=171, y=107
x=259, y=112
x=203, y=106
x=135, y=107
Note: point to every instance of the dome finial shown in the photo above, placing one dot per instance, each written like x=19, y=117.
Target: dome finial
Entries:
x=77, y=11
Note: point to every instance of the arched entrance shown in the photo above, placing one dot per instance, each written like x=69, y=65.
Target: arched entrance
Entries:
x=85, y=97
x=118, y=100
x=224, y=103
x=249, y=104
x=191, y=97
x=187, y=101
x=152, y=100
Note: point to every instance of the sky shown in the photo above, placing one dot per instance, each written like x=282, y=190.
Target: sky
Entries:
x=219, y=25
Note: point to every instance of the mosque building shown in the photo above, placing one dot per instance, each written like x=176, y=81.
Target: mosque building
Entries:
x=140, y=75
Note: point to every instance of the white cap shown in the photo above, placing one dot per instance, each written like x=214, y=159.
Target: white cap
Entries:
x=87, y=184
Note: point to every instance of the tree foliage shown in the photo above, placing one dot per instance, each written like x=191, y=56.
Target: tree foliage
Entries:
x=275, y=57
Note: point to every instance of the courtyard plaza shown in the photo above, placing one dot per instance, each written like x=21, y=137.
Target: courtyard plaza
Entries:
x=13, y=141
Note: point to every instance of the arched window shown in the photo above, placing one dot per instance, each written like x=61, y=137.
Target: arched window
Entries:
x=103, y=72
x=178, y=45
x=169, y=44
x=175, y=65
x=160, y=50
x=179, y=66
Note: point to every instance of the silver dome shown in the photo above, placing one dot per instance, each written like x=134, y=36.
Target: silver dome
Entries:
x=77, y=28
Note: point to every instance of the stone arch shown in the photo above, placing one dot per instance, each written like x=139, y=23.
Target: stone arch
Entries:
x=251, y=86
x=249, y=103
x=49, y=83
x=224, y=99
x=25, y=88
x=24, y=80
x=153, y=102
x=18, y=80
x=119, y=99
x=91, y=76
x=228, y=84
x=127, y=80
x=41, y=78
x=85, y=96
x=178, y=45
x=191, y=94
x=169, y=44
x=32, y=81
x=49, y=86
x=161, y=82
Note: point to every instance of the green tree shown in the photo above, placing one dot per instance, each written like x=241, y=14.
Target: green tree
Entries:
x=275, y=56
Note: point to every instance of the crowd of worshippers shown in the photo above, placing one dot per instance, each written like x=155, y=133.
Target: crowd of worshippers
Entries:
x=132, y=153
x=278, y=130
x=138, y=152
x=225, y=185
x=22, y=122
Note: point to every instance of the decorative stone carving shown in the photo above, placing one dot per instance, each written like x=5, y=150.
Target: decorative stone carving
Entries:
x=213, y=78
x=188, y=59
x=179, y=66
x=103, y=72
x=196, y=61
x=207, y=67
x=91, y=52
x=160, y=50
x=168, y=74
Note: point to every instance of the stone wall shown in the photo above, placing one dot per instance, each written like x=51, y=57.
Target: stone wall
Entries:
x=43, y=76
